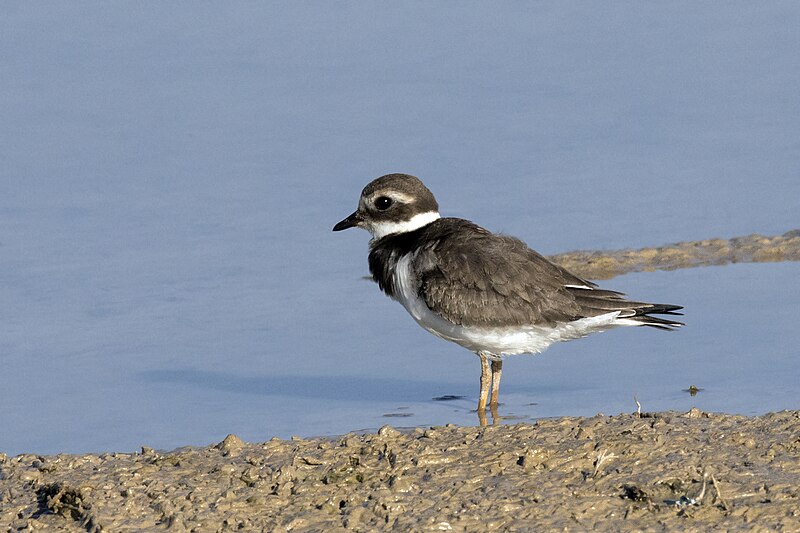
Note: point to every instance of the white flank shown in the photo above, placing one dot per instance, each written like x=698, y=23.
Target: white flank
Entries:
x=382, y=229
x=494, y=341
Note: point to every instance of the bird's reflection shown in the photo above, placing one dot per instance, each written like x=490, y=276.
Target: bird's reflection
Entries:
x=482, y=419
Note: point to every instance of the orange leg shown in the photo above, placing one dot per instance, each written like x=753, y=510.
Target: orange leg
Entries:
x=486, y=379
x=497, y=372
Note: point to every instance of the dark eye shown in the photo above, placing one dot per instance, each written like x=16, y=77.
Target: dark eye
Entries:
x=382, y=203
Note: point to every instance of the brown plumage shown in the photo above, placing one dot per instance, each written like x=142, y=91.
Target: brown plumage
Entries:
x=472, y=277
x=489, y=293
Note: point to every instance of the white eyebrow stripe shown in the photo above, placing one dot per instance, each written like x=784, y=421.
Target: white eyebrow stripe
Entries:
x=394, y=195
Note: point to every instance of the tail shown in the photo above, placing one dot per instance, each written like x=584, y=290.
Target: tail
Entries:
x=643, y=316
x=594, y=302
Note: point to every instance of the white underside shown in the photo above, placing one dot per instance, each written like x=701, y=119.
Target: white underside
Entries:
x=496, y=342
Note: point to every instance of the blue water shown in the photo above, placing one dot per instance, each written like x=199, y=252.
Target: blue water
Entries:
x=170, y=173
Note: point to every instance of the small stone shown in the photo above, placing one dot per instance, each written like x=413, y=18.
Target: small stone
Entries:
x=401, y=484
x=388, y=431
x=230, y=445
x=431, y=433
x=257, y=500
x=694, y=412
x=356, y=516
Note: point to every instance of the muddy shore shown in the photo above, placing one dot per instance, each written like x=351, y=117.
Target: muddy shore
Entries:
x=650, y=472
x=663, y=471
x=753, y=248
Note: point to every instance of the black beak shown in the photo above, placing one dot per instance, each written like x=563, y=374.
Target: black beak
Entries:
x=350, y=222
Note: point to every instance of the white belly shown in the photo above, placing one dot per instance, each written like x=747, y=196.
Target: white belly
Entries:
x=492, y=340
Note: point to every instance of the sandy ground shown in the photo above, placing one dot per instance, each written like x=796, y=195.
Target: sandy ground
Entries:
x=655, y=472
x=649, y=472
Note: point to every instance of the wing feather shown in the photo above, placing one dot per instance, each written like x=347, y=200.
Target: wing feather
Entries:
x=481, y=279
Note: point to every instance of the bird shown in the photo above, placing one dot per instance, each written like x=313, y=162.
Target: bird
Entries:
x=487, y=292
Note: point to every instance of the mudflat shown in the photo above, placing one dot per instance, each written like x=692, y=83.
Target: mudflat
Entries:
x=635, y=472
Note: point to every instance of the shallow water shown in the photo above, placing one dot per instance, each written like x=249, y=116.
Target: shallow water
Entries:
x=170, y=175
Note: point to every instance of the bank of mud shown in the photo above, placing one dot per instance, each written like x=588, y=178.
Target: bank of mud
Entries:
x=710, y=252
x=663, y=471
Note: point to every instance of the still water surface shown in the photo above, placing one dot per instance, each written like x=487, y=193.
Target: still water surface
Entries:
x=170, y=176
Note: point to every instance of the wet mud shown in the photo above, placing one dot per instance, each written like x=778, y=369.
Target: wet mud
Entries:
x=749, y=249
x=663, y=471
